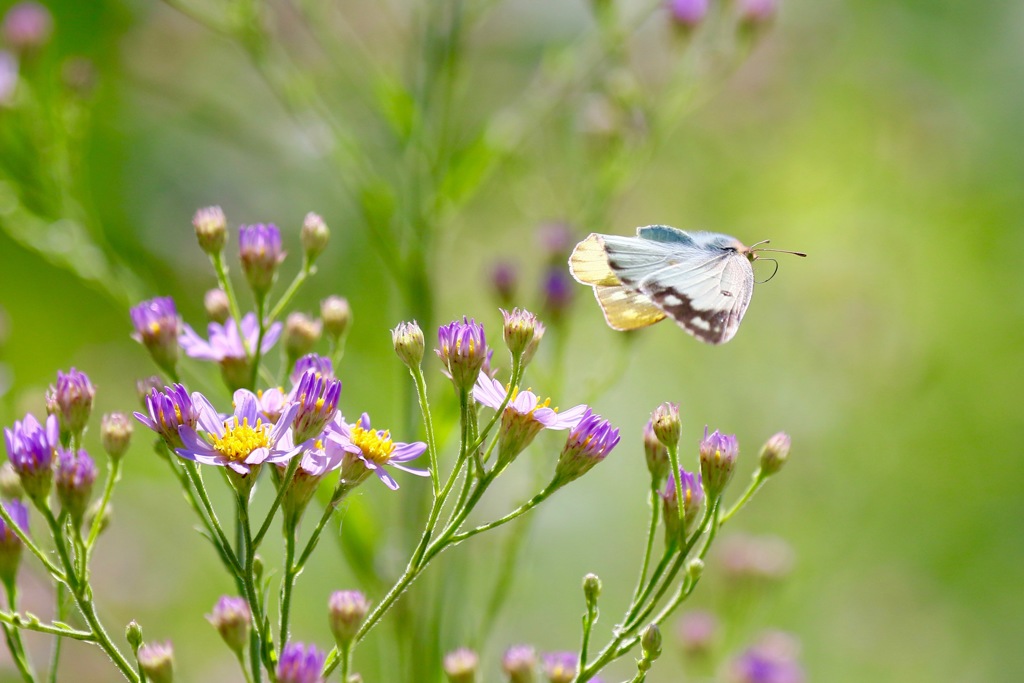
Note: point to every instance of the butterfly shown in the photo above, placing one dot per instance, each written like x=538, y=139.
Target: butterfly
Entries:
x=703, y=280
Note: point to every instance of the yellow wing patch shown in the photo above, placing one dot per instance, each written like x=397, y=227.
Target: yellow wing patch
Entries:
x=589, y=263
x=626, y=309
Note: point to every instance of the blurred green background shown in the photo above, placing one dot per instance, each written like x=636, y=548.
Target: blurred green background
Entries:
x=881, y=137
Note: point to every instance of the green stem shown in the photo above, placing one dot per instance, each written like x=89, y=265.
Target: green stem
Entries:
x=225, y=284
x=264, y=642
x=288, y=584
x=257, y=353
x=755, y=485
x=293, y=288
x=524, y=508
x=60, y=605
x=197, y=482
x=651, y=531
x=428, y=425
x=340, y=491
x=282, y=488
x=16, y=620
x=13, y=637
x=673, y=458
x=517, y=376
x=53, y=570
x=113, y=475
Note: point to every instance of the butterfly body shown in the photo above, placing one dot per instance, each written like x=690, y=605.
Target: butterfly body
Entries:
x=702, y=280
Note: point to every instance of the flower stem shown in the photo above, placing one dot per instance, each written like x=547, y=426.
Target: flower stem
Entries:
x=340, y=491
x=288, y=582
x=263, y=641
x=113, y=476
x=673, y=458
x=60, y=608
x=257, y=353
x=755, y=485
x=225, y=284
x=226, y=549
x=53, y=570
x=13, y=638
x=652, y=529
x=428, y=425
x=282, y=488
x=293, y=288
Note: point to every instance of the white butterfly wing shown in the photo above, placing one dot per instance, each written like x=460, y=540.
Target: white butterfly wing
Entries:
x=707, y=297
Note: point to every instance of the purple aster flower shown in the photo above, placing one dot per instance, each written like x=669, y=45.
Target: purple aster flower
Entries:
x=666, y=425
x=27, y=25
x=259, y=248
x=314, y=236
x=76, y=473
x=157, y=327
x=773, y=659
x=560, y=667
x=718, y=453
x=225, y=343
x=8, y=76
x=460, y=665
x=589, y=442
x=157, y=661
x=10, y=544
x=775, y=452
x=321, y=365
x=300, y=664
x=169, y=410
x=519, y=663
x=116, y=434
x=523, y=418
x=31, y=447
x=462, y=348
x=558, y=292
x=372, y=450
x=238, y=442
x=231, y=617
x=319, y=456
x=71, y=400
x=346, y=611
x=317, y=399
x=687, y=14
x=693, y=501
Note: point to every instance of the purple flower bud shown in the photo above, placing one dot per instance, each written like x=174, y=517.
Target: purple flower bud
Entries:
x=346, y=611
x=259, y=248
x=693, y=502
x=409, y=344
x=31, y=447
x=168, y=410
x=10, y=544
x=460, y=665
x=656, y=454
x=314, y=236
x=665, y=421
x=157, y=661
x=337, y=316
x=317, y=398
x=756, y=14
x=558, y=293
x=718, y=453
x=211, y=229
x=301, y=333
x=698, y=632
x=521, y=333
x=76, y=474
x=231, y=617
x=115, y=434
x=215, y=301
x=27, y=26
x=157, y=326
x=687, y=14
x=300, y=664
x=504, y=280
x=560, y=667
x=589, y=442
x=462, y=348
x=312, y=362
x=774, y=453
x=519, y=663
x=71, y=400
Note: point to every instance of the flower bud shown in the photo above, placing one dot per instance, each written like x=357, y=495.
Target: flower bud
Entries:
x=650, y=642
x=718, y=453
x=300, y=664
x=697, y=631
x=346, y=611
x=147, y=385
x=591, y=589
x=687, y=14
x=409, y=343
x=462, y=348
x=504, y=280
x=301, y=333
x=10, y=483
x=656, y=454
x=317, y=397
x=27, y=26
x=157, y=327
x=754, y=16
x=519, y=331
x=76, y=474
x=31, y=447
x=694, y=569
x=588, y=443
x=259, y=248
x=314, y=236
x=693, y=503
x=157, y=662
x=231, y=617
x=520, y=663
x=665, y=422
x=211, y=229
x=774, y=453
x=460, y=665
x=560, y=667
x=10, y=544
x=133, y=634
x=71, y=401
x=337, y=316
x=116, y=434
x=218, y=309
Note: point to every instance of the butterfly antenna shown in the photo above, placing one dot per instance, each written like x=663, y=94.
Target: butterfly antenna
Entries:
x=761, y=282
x=779, y=251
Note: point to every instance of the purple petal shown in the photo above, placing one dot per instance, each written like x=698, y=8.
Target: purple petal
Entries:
x=195, y=346
x=567, y=419
x=144, y=419
x=193, y=442
x=410, y=470
x=489, y=392
x=387, y=479
x=209, y=419
x=405, y=452
x=237, y=467
x=364, y=421
x=257, y=456
x=246, y=407
x=270, y=336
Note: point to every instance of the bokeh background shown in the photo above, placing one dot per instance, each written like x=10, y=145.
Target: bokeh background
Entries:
x=881, y=137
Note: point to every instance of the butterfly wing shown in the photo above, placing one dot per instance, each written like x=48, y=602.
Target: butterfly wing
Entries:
x=627, y=309
x=706, y=297
x=588, y=263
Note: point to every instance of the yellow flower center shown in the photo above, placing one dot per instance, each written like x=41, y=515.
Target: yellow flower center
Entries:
x=240, y=440
x=546, y=403
x=376, y=446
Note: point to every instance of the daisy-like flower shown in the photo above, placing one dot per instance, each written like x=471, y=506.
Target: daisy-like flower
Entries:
x=240, y=441
x=168, y=410
x=462, y=348
x=227, y=348
x=589, y=442
x=371, y=450
x=317, y=399
x=524, y=416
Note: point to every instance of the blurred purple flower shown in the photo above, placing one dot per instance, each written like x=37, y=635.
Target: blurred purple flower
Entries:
x=321, y=365
x=224, y=341
x=687, y=13
x=560, y=667
x=300, y=664
x=259, y=248
x=157, y=327
x=773, y=659
x=27, y=25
